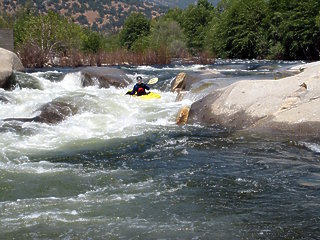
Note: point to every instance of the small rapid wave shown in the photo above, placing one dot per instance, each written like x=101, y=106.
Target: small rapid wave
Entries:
x=71, y=81
x=314, y=147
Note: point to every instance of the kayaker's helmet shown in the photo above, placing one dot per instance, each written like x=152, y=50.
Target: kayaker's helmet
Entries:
x=139, y=79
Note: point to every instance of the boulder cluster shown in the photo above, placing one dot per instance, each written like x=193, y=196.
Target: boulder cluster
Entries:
x=58, y=109
x=289, y=105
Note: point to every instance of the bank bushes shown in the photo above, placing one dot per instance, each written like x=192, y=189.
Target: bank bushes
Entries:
x=246, y=29
x=273, y=29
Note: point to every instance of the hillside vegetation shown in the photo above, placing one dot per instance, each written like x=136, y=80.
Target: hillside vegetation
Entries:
x=98, y=15
x=180, y=3
x=246, y=29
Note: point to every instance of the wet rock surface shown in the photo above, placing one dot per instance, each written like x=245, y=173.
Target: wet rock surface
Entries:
x=104, y=77
x=51, y=113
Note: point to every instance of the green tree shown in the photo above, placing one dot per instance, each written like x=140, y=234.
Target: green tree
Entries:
x=6, y=19
x=195, y=23
x=92, y=42
x=223, y=5
x=239, y=32
x=141, y=44
x=175, y=14
x=205, y=4
x=167, y=34
x=135, y=26
x=50, y=33
x=3, y=23
x=112, y=43
x=318, y=20
x=294, y=25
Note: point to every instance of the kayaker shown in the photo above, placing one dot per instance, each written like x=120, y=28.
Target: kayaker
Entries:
x=140, y=87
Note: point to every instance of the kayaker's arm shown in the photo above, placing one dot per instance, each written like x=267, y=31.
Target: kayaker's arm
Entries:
x=135, y=89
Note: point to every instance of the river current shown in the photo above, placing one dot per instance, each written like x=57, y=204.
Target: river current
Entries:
x=122, y=169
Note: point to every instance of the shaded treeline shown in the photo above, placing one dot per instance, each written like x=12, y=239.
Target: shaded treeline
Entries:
x=271, y=29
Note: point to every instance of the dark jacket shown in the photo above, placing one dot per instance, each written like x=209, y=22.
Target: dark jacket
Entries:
x=140, y=89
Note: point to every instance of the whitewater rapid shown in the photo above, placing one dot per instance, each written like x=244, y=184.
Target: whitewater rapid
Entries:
x=103, y=114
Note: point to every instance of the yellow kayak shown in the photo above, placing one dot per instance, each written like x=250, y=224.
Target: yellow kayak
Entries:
x=150, y=95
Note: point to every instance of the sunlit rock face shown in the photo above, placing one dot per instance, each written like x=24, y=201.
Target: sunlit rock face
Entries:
x=291, y=104
x=9, y=62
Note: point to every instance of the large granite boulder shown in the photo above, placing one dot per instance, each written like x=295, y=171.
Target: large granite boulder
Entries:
x=291, y=104
x=9, y=62
x=104, y=77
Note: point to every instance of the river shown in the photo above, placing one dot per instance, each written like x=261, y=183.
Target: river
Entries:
x=122, y=169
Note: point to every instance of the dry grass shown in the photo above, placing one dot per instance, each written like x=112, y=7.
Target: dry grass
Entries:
x=32, y=57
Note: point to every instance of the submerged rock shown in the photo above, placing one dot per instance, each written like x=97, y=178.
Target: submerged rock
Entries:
x=51, y=113
x=104, y=77
x=24, y=80
x=291, y=104
x=55, y=112
x=17, y=128
x=3, y=99
x=9, y=62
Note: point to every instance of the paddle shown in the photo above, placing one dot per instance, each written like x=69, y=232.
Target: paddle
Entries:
x=153, y=80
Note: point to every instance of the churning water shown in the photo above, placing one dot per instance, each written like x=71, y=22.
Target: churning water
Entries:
x=121, y=169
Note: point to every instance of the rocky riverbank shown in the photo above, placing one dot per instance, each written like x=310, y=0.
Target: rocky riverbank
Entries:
x=290, y=105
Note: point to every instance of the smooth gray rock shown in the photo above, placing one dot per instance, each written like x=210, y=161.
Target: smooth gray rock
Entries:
x=290, y=105
x=9, y=62
x=24, y=80
x=51, y=113
x=104, y=77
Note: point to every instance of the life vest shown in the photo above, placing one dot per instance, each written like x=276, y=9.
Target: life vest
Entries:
x=141, y=91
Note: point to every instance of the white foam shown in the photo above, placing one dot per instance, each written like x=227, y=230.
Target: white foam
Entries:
x=72, y=81
x=194, y=67
x=312, y=146
x=103, y=114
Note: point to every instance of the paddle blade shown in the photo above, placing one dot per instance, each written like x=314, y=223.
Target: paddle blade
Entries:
x=153, y=80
